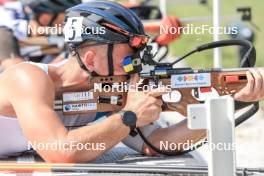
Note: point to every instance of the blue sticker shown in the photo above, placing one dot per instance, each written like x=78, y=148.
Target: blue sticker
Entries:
x=127, y=61
x=67, y=107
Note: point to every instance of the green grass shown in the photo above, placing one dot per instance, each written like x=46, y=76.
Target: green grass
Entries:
x=229, y=54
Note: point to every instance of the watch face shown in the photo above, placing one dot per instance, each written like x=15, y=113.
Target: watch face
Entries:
x=130, y=118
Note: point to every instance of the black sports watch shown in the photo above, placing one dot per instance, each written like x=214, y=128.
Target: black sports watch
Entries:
x=129, y=118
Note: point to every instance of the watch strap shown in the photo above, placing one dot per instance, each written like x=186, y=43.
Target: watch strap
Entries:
x=133, y=131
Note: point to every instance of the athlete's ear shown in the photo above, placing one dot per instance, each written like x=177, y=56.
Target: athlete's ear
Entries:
x=88, y=59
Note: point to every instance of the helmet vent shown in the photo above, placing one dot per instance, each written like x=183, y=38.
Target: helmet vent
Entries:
x=84, y=14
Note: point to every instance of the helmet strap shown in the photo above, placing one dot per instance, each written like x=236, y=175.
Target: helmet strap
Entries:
x=110, y=59
x=81, y=64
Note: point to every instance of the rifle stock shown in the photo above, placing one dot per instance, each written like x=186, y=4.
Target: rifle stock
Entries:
x=92, y=96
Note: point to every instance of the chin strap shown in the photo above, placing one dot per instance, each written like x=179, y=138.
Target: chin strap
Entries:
x=80, y=62
x=110, y=59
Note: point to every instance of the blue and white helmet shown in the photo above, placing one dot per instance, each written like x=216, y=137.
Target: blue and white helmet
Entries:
x=117, y=23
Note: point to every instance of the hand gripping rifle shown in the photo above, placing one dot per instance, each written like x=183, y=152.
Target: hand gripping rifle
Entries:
x=188, y=86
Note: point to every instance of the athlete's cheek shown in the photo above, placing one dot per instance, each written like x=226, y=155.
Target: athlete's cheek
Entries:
x=101, y=67
x=118, y=68
x=120, y=71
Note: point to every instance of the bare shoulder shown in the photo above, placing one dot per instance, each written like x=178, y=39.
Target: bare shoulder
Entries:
x=27, y=79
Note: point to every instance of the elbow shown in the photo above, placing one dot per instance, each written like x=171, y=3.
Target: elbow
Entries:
x=67, y=152
x=68, y=157
x=60, y=157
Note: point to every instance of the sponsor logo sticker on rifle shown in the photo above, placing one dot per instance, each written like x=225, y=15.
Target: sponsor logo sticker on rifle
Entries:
x=191, y=80
x=77, y=96
x=79, y=107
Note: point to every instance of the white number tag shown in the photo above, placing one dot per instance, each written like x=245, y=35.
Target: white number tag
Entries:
x=73, y=29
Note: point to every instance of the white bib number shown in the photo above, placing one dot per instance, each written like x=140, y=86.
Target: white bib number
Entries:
x=73, y=29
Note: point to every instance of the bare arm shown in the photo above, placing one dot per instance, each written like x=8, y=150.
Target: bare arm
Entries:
x=178, y=134
x=32, y=98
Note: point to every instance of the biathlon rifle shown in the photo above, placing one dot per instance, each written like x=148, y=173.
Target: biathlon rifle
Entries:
x=187, y=85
